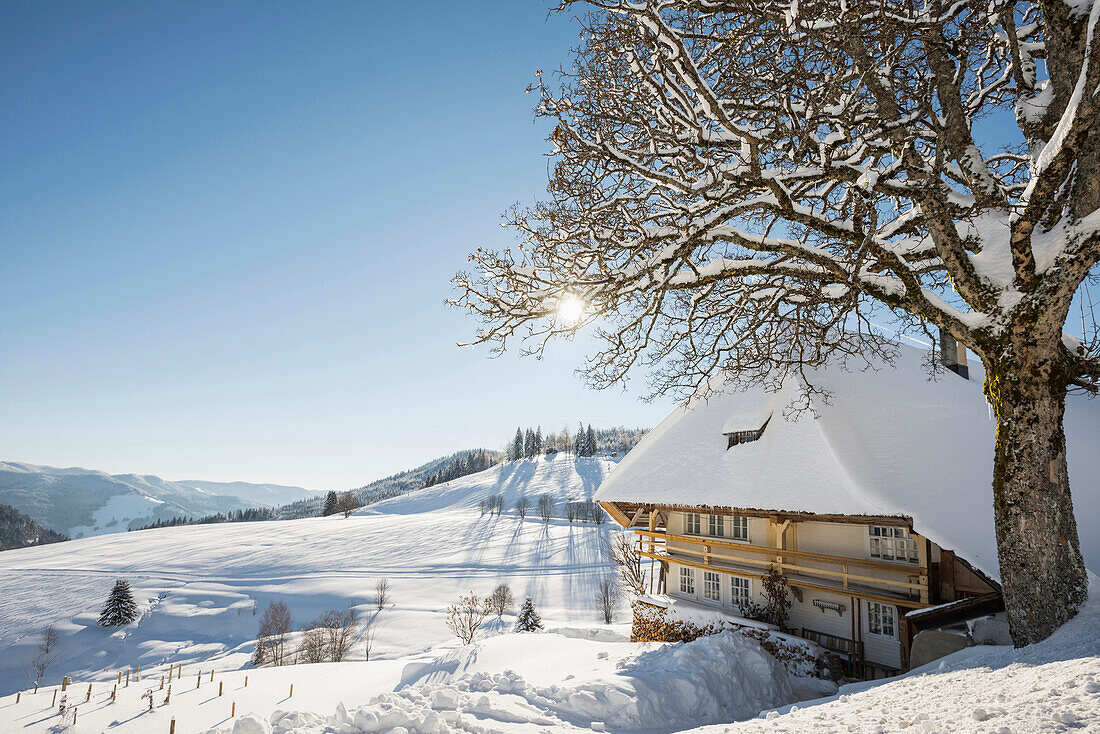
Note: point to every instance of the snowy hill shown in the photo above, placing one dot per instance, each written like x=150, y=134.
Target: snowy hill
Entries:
x=83, y=502
x=199, y=590
x=197, y=586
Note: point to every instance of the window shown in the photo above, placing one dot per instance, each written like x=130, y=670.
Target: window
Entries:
x=739, y=437
x=880, y=619
x=687, y=580
x=739, y=527
x=694, y=524
x=712, y=586
x=892, y=544
x=740, y=591
x=717, y=525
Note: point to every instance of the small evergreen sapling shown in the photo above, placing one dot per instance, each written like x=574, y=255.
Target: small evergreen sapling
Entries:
x=330, y=504
x=120, y=608
x=528, y=620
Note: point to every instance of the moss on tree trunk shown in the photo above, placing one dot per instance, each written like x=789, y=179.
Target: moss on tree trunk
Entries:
x=1042, y=570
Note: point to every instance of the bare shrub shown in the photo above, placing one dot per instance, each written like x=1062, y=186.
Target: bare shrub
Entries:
x=275, y=625
x=381, y=593
x=546, y=507
x=347, y=503
x=523, y=504
x=607, y=598
x=340, y=629
x=43, y=655
x=621, y=550
x=501, y=600
x=465, y=618
x=571, y=511
x=313, y=647
x=369, y=632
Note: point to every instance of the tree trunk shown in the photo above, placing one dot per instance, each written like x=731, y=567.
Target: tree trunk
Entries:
x=1042, y=571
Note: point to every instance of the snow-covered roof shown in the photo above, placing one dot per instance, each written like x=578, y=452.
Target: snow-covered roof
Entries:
x=890, y=442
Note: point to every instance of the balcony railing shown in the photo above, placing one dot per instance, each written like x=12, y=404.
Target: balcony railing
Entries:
x=849, y=574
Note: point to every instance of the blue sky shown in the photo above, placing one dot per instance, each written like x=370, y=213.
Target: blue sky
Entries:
x=227, y=231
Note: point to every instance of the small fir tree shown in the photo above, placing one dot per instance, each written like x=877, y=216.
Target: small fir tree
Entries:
x=517, y=445
x=120, y=608
x=528, y=619
x=330, y=504
x=592, y=447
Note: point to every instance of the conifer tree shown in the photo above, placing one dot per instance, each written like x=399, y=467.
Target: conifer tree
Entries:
x=331, y=501
x=120, y=608
x=517, y=445
x=590, y=442
x=528, y=620
x=529, y=443
x=538, y=441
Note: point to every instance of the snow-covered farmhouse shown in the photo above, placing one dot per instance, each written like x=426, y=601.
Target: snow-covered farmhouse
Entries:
x=877, y=507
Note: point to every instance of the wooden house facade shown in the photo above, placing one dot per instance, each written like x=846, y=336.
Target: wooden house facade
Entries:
x=875, y=505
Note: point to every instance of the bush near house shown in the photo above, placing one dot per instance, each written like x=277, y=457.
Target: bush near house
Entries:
x=652, y=623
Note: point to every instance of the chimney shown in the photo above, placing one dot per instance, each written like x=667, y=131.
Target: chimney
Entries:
x=953, y=355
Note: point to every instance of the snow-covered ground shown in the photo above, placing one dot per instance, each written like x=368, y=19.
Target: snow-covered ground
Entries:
x=198, y=586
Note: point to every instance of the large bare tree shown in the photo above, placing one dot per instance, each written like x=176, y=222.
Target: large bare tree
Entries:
x=740, y=185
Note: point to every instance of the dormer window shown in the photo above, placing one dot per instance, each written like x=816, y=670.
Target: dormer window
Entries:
x=739, y=437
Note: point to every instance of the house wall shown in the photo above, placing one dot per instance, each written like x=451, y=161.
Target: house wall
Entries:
x=830, y=538
x=883, y=651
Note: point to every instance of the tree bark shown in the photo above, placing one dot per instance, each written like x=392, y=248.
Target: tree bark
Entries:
x=1042, y=571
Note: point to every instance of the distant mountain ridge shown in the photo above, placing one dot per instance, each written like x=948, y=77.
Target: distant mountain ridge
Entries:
x=82, y=502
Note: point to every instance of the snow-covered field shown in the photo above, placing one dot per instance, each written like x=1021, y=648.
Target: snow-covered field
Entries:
x=198, y=586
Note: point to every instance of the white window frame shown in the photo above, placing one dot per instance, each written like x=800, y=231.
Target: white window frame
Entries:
x=886, y=616
x=716, y=526
x=693, y=523
x=712, y=583
x=737, y=583
x=739, y=527
x=687, y=573
x=891, y=544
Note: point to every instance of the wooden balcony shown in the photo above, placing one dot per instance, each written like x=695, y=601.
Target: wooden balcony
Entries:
x=893, y=583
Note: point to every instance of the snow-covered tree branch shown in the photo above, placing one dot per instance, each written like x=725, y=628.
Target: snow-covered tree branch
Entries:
x=741, y=185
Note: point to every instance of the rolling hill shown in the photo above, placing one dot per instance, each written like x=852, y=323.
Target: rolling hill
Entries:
x=84, y=502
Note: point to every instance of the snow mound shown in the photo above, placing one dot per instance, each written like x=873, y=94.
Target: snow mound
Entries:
x=1051, y=686
x=718, y=678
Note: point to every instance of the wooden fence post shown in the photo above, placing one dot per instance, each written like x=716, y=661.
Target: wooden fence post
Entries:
x=127, y=677
x=162, y=683
x=119, y=681
x=64, y=683
x=113, y=692
x=17, y=695
x=211, y=676
x=233, y=711
x=89, y=696
x=172, y=726
x=291, y=691
x=246, y=681
x=74, y=715
x=220, y=684
x=198, y=679
x=54, y=697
